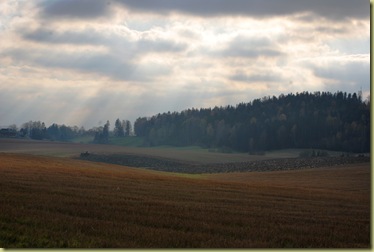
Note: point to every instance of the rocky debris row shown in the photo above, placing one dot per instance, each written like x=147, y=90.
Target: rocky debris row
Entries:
x=154, y=163
x=163, y=164
x=284, y=164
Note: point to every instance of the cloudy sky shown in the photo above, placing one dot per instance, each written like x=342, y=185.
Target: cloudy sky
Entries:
x=82, y=62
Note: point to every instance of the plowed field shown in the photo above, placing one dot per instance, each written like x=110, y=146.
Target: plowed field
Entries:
x=60, y=202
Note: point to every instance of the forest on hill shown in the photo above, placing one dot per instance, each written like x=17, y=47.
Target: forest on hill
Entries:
x=320, y=120
x=335, y=121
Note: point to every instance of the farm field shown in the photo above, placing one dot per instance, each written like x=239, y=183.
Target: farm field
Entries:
x=184, y=154
x=50, y=201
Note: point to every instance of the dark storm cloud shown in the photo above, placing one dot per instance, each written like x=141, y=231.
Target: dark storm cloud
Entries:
x=44, y=35
x=71, y=9
x=90, y=9
x=332, y=9
x=93, y=37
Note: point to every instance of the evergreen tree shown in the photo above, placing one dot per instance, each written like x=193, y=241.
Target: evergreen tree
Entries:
x=119, y=130
x=128, y=128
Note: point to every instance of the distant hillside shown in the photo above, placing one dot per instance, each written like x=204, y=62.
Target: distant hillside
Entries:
x=322, y=120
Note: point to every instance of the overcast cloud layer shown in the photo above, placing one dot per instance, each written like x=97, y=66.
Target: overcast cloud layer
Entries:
x=82, y=62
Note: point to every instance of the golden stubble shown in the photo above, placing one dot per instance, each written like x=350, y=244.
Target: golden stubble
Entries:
x=59, y=202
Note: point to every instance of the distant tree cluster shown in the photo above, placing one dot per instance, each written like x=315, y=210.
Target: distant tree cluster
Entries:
x=321, y=120
x=63, y=132
x=37, y=130
x=122, y=128
x=34, y=130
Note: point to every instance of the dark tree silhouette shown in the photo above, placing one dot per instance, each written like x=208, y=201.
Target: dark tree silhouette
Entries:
x=338, y=121
x=119, y=130
x=102, y=136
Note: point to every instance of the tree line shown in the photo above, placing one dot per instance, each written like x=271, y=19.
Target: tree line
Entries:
x=37, y=130
x=321, y=120
x=121, y=129
x=335, y=121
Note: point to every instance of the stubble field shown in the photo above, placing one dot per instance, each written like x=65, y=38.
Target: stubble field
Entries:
x=60, y=202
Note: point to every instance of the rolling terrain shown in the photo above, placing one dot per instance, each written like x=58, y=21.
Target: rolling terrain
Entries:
x=52, y=201
x=183, y=154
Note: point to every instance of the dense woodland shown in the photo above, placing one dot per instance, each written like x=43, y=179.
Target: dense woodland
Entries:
x=323, y=120
x=320, y=120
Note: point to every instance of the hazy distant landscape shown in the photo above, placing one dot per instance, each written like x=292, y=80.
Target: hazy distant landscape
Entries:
x=321, y=120
x=286, y=172
x=125, y=187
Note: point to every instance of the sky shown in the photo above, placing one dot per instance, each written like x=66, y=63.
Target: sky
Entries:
x=83, y=62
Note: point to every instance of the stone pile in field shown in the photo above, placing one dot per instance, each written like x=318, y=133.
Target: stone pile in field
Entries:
x=163, y=164
x=284, y=164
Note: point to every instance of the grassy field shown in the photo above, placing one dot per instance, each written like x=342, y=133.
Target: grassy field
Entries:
x=83, y=139
x=185, y=154
x=60, y=202
x=132, y=141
